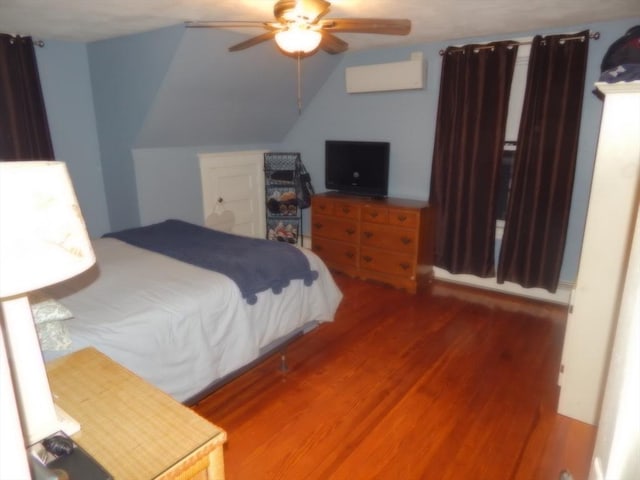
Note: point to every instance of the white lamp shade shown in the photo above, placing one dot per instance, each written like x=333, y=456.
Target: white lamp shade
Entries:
x=296, y=39
x=43, y=238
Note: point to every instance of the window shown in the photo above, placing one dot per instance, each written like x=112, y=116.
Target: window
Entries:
x=516, y=96
x=516, y=100
x=506, y=170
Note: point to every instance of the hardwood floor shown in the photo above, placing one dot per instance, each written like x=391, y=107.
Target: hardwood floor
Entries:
x=451, y=383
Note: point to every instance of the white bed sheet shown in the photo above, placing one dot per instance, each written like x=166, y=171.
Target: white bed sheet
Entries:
x=274, y=316
x=178, y=326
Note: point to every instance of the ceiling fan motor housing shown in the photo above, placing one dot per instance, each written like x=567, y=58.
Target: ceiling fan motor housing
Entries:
x=300, y=10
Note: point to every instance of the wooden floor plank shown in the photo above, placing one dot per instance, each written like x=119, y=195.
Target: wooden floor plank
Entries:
x=451, y=383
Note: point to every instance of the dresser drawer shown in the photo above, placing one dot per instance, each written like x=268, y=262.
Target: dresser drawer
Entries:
x=390, y=216
x=394, y=239
x=336, y=228
x=387, y=262
x=346, y=210
x=321, y=205
x=335, y=253
x=404, y=218
x=337, y=208
x=375, y=214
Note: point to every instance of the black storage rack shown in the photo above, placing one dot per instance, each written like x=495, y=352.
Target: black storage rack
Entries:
x=284, y=216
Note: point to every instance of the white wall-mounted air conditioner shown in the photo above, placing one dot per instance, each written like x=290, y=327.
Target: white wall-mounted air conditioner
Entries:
x=407, y=75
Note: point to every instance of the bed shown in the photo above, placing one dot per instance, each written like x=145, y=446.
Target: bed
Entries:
x=184, y=328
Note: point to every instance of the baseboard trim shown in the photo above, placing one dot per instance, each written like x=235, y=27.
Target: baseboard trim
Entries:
x=306, y=241
x=562, y=295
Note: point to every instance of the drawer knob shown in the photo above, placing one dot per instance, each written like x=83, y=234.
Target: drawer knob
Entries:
x=346, y=209
x=405, y=240
x=368, y=234
x=402, y=218
x=322, y=207
x=350, y=231
x=317, y=225
x=374, y=214
x=404, y=266
x=367, y=258
x=317, y=248
x=348, y=254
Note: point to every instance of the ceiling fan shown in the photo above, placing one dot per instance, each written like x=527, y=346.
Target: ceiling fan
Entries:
x=301, y=29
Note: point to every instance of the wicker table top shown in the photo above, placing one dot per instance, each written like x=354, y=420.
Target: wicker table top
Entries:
x=130, y=427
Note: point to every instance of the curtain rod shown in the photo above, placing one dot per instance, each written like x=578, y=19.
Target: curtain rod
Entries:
x=594, y=36
x=36, y=43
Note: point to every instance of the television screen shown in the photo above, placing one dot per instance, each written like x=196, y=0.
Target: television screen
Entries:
x=355, y=167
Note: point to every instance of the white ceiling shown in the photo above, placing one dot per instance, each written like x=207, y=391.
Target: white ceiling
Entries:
x=433, y=20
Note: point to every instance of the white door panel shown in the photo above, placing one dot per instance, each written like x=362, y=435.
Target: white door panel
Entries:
x=233, y=192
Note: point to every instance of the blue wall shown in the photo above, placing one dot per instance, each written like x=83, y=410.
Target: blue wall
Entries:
x=126, y=74
x=169, y=183
x=131, y=76
x=64, y=75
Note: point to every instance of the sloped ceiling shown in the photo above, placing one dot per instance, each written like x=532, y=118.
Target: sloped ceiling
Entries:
x=212, y=97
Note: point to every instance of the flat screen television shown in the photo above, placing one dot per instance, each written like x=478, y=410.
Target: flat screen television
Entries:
x=356, y=167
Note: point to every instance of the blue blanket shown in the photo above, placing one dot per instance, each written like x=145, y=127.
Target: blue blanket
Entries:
x=253, y=264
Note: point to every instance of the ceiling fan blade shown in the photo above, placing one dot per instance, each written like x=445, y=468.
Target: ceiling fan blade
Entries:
x=385, y=26
x=253, y=41
x=332, y=44
x=228, y=24
x=309, y=10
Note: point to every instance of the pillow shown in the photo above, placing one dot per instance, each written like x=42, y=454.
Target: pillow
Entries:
x=49, y=317
x=53, y=335
x=45, y=309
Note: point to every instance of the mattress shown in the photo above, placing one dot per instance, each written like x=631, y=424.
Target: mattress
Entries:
x=178, y=326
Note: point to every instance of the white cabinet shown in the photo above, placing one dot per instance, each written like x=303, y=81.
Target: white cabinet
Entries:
x=605, y=253
x=233, y=192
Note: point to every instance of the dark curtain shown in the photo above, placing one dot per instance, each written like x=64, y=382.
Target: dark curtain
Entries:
x=540, y=199
x=24, y=130
x=472, y=114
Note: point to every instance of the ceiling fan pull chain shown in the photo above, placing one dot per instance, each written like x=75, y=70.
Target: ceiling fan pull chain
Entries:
x=299, y=86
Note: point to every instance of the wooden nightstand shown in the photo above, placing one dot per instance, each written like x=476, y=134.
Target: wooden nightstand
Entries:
x=131, y=428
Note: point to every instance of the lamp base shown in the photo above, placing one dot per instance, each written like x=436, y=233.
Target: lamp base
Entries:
x=68, y=424
x=28, y=373
x=58, y=457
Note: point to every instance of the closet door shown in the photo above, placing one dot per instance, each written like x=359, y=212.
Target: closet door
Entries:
x=233, y=192
x=613, y=205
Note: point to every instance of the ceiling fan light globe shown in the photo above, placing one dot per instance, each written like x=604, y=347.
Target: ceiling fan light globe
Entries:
x=298, y=40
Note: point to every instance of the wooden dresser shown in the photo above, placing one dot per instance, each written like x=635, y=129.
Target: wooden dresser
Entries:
x=388, y=240
x=135, y=431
